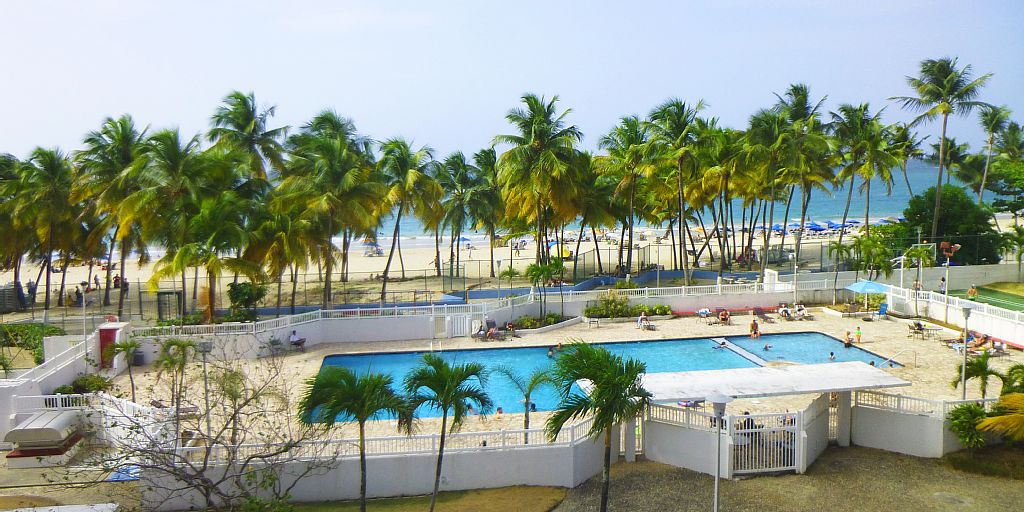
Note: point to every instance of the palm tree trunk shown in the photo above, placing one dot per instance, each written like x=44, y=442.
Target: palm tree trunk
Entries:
x=440, y=458
x=540, y=234
x=907, y=178
x=984, y=175
x=124, y=280
x=295, y=282
x=597, y=249
x=362, y=466
x=280, y=277
x=110, y=255
x=767, y=237
x=606, y=476
x=622, y=241
x=212, y=293
x=867, y=206
x=63, y=279
x=131, y=378
x=785, y=218
x=842, y=231
x=384, y=284
x=682, y=222
x=805, y=200
x=49, y=266
x=632, y=220
x=575, y=255
x=938, y=183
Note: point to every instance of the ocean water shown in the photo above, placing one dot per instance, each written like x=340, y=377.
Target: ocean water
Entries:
x=823, y=206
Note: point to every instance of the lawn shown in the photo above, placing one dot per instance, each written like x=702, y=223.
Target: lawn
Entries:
x=1005, y=295
x=524, y=499
x=1004, y=460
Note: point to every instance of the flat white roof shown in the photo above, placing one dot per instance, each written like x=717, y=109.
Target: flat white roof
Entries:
x=768, y=381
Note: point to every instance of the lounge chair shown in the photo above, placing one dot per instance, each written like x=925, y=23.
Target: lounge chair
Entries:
x=806, y=315
x=763, y=316
x=916, y=330
x=718, y=316
x=489, y=331
x=883, y=311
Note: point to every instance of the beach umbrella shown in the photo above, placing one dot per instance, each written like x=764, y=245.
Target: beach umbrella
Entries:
x=814, y=226
x=852, y=222
x=833, y=225
x=795, y=225
x=867, y=287
x=777, y=227
x=881, y=222
x=463, y=239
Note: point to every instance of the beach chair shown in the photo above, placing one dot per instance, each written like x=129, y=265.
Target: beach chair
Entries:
x=917, y=330
x=883, y=311
x=763, y=316
x=718, y=314
x=487, y=327
x=806, y=315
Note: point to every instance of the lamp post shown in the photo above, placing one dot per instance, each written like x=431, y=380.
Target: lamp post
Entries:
x=205, y=347
x=718, y=400
x=963, y=369
x=949, y=250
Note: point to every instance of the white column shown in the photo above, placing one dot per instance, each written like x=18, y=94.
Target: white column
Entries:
x=630, y=440
x=843, y=418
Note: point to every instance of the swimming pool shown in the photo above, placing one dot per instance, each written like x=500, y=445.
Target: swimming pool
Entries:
x=806, y=348
x=678, y=355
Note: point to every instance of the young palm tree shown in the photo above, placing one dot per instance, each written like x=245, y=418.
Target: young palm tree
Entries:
x=535, y=170
x=107, y=178
x=338, y=394
x=993, y=120
x=527, y=386
x=406, y=175
x=942, y=89
x=616, y=395
x=536, y=273
x=908, y=146
x=128, y=348
x=241, y=126
x=1010, y=422
x=452, y=389
x=1014, y=239
x=173, y=359
x=978, y=367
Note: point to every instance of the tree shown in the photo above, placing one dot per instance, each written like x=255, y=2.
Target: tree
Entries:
x=616, y=395
x=978, y=367
x=241, y=126
x=406, y=175
x=962, y=221
x=942, y=89
x=1014, y=239
x=485, y=204
x=127, y=347
x=629, y=159
x=338, y=394
x=1010, y=420
x=964, y=421
x=534, y=172
x=173, y=358
x=527, y=385
x=993, y=120
x=908, y=146
x=451, y=389
x=537, y=273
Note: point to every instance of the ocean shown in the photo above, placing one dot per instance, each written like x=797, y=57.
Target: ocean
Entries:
x=823, y=206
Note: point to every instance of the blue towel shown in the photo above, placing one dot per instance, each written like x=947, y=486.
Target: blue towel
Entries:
x=124, y=474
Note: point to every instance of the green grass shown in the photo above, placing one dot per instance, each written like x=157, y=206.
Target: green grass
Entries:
x=1004, y=460
x=521, y=498
x=1004, y=295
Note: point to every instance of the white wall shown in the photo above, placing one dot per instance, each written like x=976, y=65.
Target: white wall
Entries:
x=815, y=430
x=910, y=434
x=685, y=447
x=407, y=475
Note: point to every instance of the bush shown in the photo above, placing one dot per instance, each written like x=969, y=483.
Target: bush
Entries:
x=616, y=306
x=963, y=421
x=961, y=221
x=622, y=284
x=91, y=383
x=28, y=337
x=529, y=322
x=244, y=297
x=189, y=319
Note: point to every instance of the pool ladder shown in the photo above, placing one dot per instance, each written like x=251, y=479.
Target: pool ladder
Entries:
x=912, y=351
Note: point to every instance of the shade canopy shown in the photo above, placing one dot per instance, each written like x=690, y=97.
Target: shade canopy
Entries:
x=867, y=287
x=768, y=381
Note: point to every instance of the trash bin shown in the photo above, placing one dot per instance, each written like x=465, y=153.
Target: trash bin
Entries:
x=138, y=358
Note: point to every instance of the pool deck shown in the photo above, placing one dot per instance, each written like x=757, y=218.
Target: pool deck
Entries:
x=928, y=364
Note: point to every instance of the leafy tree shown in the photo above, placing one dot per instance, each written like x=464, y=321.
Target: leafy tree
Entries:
x=942, y=89
x=172, y=359
x=964, y=421
x=338, y=394
x=537, y=274
x=978, y=367
x=630, y=159
x=616, y=395
x=450, y=388
x=527, y=386
x=961, y=220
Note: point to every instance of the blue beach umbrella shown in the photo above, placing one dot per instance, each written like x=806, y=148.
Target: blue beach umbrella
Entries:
x=795, y=225
x=777, y=227
x=852, y=222
x=833, y=224
x=865, y=286
x=463, y=239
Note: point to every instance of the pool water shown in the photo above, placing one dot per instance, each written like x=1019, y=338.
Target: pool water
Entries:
x=660, y=356
x=806, y=348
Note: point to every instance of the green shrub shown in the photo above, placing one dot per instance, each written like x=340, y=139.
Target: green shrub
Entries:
x=28, y=337
x=91, y=383
x=613, y=305
x=625, y=285
x=552, y=318
x=190, y=319
x=527, y=322
x=963, y=421
x=244, y=297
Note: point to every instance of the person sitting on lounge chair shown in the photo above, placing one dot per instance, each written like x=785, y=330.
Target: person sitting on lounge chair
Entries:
x=801, y=311
x=723, y=317
x=641, y=320
x=784, y=312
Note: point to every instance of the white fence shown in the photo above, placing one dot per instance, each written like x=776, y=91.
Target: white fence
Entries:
x=764, y=443
x=912, y=405
x=1000, y=323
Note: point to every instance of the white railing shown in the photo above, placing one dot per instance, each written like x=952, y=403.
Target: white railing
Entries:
x=39, y=403
x=682, y=416
x=911, y=405
x=59, y=361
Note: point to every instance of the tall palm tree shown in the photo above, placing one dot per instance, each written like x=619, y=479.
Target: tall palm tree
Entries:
x=942, y=89
x=629, y=160
x=533, y=172
x=406, y=176
x=46, y=181
x=282, y=241
x=527, y=385
x=1011, y=422
x=458, y=178
x=338, y=394
x=908, y=144
x=241, y=126
x=128, y=347
x=451, y=389
x=485, y=206
x=993, y=120
x=17, y=233
x=765, y=143
x=616, y=395
x=593, y=202
x=107, y=178
x=978, y=367
x=672, y=129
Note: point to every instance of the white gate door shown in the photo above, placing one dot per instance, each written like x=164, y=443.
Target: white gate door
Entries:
x=764, y=443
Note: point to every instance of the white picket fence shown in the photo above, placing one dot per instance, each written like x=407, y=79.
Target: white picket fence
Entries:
x=912, y=405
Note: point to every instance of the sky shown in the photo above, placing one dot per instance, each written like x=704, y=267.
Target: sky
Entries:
x=444, y=74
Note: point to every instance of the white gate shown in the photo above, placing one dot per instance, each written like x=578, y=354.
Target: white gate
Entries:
x=764, y=443
x=458, y=325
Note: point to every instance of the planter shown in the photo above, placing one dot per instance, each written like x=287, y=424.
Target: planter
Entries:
x=546, y=328
x=628, y=319
x=832, y=312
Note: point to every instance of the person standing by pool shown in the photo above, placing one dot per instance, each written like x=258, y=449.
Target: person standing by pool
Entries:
x=755, y=329
x=858, y=335
x=847, y=340
x=972, y=293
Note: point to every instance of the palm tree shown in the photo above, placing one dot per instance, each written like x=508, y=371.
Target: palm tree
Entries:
x=629, y=159
x=45, y=184
x=241, y=126
x=993, y=120
x=908, y=146
x=485, y=205
x=527, y=385
x=107, y=178
x=1011, y=422
x=1014, y=238
x=978, y=367
x=765, y=143
x=450, y=388
x=458, y=178
x=535, y=170
x=616, y=395
x=281, y=241
x=173, y=358
x=128, y=348
x=942, y=89
x=338, y=394
x=537, y=273
x=593, y=202
x=406, y=174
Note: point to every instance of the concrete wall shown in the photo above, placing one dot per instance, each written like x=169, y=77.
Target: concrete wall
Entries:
x=407, y=475
x=960, y=277
x=815, y=430
x=685, y=447
x=910, y=434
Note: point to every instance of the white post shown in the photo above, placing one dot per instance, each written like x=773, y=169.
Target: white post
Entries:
x=963, y=369
x=630, y=440
x=843, y=418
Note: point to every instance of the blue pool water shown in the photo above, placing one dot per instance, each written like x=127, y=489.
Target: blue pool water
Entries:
x=660, y=356
x=806, y=348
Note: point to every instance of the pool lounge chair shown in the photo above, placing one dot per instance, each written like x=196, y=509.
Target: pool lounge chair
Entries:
x=763, y=316
x=805, y=316
x=488, y=325
x=883, y=311
x=916, y=330
x=718, y=314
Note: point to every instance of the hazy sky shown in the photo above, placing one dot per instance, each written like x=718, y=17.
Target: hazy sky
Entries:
x=445, y=73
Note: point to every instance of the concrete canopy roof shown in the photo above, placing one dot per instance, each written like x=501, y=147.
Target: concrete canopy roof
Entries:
x=768, y=381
